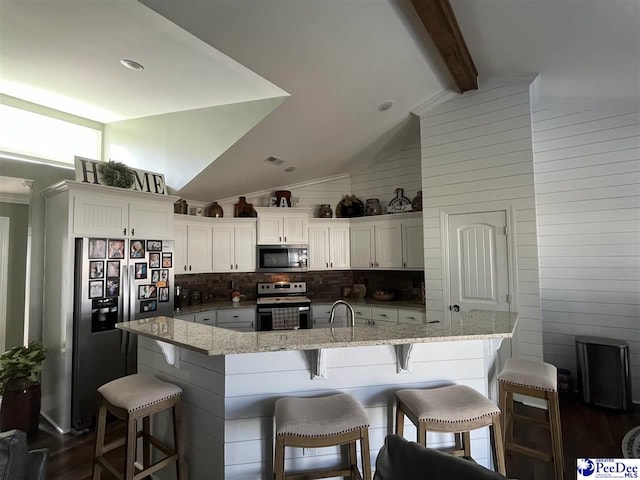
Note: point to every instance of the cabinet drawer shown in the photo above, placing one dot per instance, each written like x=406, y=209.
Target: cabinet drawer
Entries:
x=385, y=314
x=362, y=312
x=232, y=315
x=238, y=326
x=324, y=311
x=186, y=318
x=208, y=318
x=411, y=316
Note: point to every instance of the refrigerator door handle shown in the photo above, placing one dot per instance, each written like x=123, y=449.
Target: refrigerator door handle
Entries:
x=131, y=308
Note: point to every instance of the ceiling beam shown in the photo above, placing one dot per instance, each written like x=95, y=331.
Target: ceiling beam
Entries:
x=440, y=21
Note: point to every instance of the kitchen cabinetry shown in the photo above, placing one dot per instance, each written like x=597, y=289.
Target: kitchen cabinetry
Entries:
x=387, y=242
x=193, y=245
x=329, y=242
x=279, y=226
x=412, y=316
x=376, y=244
x=206, y=318
x=234, y=245
x=238, y=319
x=366, y=315
x=121, y=213
x=321, y=313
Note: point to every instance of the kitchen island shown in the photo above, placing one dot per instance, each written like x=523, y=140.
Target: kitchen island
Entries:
x=231, y=380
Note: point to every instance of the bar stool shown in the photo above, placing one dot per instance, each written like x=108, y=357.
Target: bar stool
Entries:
x=132, y=398
x=322, y=422
x=539, y=380
x=455, y=409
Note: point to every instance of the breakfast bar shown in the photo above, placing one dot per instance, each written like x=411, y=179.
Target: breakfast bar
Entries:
x=231, y=380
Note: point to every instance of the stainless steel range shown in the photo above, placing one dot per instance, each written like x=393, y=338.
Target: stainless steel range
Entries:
x=283, y=305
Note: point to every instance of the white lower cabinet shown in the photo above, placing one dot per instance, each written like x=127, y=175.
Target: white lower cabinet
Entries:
x=321, y=313
x=186, y=318
x=238, y=319
x=206, y=318
x=412, y=316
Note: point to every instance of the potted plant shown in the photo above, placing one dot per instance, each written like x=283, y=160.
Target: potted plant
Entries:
x=21, y=399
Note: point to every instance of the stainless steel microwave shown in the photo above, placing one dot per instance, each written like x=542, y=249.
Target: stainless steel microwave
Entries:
x=282, y=258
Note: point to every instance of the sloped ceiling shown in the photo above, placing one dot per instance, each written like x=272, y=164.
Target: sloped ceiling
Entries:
x=337, y=59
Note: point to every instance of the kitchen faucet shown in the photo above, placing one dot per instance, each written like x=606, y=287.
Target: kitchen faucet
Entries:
x=332, y=316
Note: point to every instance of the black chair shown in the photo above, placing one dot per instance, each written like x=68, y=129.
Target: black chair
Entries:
x=17, y=462
x=400, y=459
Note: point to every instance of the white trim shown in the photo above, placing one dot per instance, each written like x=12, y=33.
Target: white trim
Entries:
x=434, y=101
x=294, y=186
x=512, y=266
x=526, y=79
x=5, y=225
x=21, y=198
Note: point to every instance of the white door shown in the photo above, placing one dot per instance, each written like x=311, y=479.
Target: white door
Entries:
x=478, y=261
x=412, y=244
x=200, y=249
x=181, y=261
x=388, y=245
x=223, y=256
x=318, y=248
x=244, y=247
x=339, y=247
x=362, y=248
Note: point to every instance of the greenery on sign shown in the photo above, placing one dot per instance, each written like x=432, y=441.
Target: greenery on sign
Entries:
x=116, y=174
x=22, y=362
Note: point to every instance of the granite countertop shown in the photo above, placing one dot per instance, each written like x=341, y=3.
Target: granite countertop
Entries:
x=473, y=325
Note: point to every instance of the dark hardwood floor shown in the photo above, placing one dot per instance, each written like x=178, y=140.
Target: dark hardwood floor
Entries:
x=587, y=432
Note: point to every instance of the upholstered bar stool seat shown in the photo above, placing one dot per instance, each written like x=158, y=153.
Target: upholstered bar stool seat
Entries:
x=538, y=380
x=322, y=422
x=132, y=398
x=456, y=409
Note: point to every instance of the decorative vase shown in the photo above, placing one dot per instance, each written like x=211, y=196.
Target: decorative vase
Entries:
x=243, y=209
x=325, y=211
x=215, y=210
x=373, y=207
x=181, y=207
x=416, y=203
x=400, y=203
x=20, y=406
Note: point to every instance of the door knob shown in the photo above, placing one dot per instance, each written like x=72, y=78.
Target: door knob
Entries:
x=454, y=308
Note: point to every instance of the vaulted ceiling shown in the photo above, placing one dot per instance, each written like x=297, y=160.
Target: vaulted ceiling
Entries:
x=228, y=83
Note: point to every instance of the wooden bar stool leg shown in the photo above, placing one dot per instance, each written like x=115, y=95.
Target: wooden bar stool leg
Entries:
x=556, y=433
x=279, y=460
x=100, y=434
x=365, y=453
x=146, y=445
x=130, y=455
x=498, y=445
x=178, y=439
x=399, y=419
x=353, y=460
x=466, y=443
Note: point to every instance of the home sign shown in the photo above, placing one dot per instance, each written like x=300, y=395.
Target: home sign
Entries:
x=144, y=181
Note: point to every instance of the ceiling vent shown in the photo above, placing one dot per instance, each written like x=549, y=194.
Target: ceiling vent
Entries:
x=274, y=161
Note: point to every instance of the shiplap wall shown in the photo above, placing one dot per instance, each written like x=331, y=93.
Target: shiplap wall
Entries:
x=477, y=156
x=229, y=401
x=380, y=180
x=587, y=174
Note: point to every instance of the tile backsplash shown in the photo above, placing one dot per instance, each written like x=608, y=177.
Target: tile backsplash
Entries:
x=218, y=286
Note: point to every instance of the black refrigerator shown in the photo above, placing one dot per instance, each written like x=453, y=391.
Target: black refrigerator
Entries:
x=115, y=280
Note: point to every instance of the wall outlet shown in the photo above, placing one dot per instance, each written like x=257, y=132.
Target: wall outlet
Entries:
x=308, y=452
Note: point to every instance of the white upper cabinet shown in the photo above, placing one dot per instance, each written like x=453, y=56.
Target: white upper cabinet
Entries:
x=412, y=244
x=279, y=226
x=116, y=212
x=390, y=242
x=234, y=245
x=116, y=216
x=329, y=244
x=193, y=245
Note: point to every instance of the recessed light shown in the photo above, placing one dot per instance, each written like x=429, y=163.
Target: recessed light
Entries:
x=290, y=169
x=384, y=106
x=275, y=161
x=131, y=65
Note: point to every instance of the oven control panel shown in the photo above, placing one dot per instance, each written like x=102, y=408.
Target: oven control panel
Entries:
x=282, y=289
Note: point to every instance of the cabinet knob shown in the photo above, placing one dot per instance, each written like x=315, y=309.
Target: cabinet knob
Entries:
x=133, y=231
x=285, y=239
x=383, y=314
x=236, y=266
x=327, y=264
x=404, y=264
x=331, y=264
x=372, y=264
x=279, y=239
x=231, y=267
x=411, y=318
x=185, y=268
x=189, y=267
x=236, y=316
x=124, y=231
